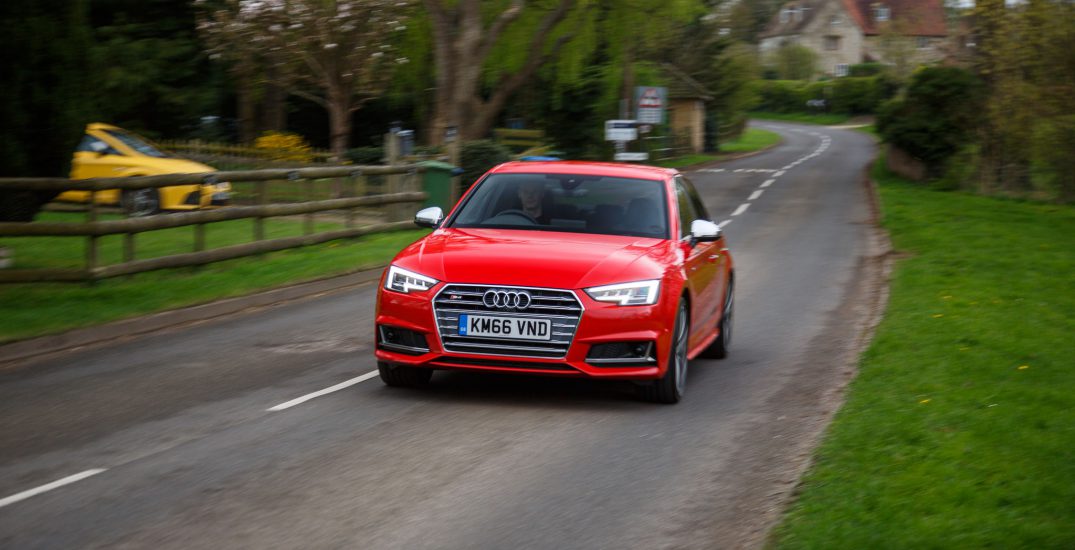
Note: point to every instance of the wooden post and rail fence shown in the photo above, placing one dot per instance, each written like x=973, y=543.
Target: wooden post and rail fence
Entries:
x=401, y=189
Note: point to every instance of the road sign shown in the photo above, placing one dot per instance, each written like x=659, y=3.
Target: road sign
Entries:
x=621, y=130
x=650, y=103
x=631, y=157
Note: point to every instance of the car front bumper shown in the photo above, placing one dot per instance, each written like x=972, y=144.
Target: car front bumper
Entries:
x=600, y=324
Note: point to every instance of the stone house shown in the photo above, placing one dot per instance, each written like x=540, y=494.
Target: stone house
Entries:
x=847, y=32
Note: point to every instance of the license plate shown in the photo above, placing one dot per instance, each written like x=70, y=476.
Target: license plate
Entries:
x=514, y=328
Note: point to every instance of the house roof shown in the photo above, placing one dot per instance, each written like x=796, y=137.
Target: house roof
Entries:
x=913, y=17
x=682, y=86
x=918, y=17
x=795, y=23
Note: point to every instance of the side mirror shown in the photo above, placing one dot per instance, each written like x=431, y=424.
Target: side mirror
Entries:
x=704, y=231
x=429, y=217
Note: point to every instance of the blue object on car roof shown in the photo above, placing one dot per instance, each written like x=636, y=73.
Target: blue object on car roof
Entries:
x=539, y=158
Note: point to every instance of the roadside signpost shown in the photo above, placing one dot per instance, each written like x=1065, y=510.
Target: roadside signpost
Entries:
x=650, y=104
x=621, y=130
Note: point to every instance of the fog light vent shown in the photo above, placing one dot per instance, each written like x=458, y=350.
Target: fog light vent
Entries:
x=401, y=340
x=621, y=354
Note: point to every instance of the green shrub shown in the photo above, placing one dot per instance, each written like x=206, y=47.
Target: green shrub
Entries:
x=936, y=118
x=477, y=157
x=866, y=69
x=850, y=95
x=855, y=95
x=781, y=96
x=365, y=155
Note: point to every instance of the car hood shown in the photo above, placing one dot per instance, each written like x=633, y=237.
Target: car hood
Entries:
x=536, y=258
x=172, y=166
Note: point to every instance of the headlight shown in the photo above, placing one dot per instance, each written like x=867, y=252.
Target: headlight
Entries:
x=401, y=280
x=640, y=293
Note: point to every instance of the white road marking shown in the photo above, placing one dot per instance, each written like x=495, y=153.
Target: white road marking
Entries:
x=778, y=174
x=725, y=223
x=767, y=183
x=755, y=195
x=742, y=208
x=328, y=390
x=49, y=486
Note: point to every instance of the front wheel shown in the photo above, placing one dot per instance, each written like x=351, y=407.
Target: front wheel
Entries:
x=141, y=202
x=400, y=376
x=671, y=387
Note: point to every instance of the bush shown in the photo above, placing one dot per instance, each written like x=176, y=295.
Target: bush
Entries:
x=284, y=146
x=855, y=95
x=936, y=118
x=850, y=95
x=365, y=156
x=866, y=69
x=781, y=96
x=477, y=157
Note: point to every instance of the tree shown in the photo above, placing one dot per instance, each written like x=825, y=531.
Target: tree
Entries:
x=44, y=106
x=151, y=73
x=464, y=37
x=795, y=62
x=339, y=54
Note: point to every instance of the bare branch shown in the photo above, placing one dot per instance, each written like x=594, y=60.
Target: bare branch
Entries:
x=497, y=28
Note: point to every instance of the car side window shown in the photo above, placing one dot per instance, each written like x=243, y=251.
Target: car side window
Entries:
x=90, y=144
x=699, y=206
x=687, y=210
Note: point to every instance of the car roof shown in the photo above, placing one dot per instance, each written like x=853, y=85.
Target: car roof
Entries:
x=585, y=168
x=101, y=126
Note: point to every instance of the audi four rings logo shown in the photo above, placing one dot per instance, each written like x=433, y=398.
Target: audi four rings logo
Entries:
x=514, y=299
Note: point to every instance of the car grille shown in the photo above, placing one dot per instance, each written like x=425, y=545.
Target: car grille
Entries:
x=561, y=307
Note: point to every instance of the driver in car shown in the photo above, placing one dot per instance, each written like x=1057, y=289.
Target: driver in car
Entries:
x=532, y=198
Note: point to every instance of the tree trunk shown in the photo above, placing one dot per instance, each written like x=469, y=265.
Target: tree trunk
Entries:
x=275, y=114
x=339, y=121
x=244, y=96
x=461, y=45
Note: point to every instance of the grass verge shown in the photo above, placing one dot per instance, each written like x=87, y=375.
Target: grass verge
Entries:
x=802, y=117
x=28, y=310
x=959, y=430
x=753, y=139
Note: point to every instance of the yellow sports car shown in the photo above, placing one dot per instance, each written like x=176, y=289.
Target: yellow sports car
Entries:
x=108, y=151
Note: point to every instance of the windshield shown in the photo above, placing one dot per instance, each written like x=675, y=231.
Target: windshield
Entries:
x=138, y=144
x=565, y=202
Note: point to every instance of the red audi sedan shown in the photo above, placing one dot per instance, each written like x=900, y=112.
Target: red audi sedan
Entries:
x=582, y=269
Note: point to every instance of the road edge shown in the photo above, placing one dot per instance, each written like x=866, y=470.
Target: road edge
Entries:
x=14, y=354
x=877, y=266
x=778, y=447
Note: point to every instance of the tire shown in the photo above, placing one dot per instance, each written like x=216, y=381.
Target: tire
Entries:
x=719, y=348
x=403, y=377
x=138, y=203
x=670, y=388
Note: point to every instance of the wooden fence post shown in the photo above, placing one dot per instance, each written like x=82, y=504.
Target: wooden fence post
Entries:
x=91, y=240
x=259, y=220
x=308, y=223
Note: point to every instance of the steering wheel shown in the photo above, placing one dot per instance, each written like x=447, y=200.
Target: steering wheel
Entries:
x=520, y=213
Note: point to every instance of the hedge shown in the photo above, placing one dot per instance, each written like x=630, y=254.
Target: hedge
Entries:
x=850, y=95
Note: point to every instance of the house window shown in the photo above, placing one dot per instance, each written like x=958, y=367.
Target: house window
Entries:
x=835, y=20
x=880, y=12
x=922, y=42
x=840, y=70
x=832, y=43
x=785, y=15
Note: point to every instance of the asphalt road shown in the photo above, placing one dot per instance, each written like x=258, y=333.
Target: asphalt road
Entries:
x=168, y=440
